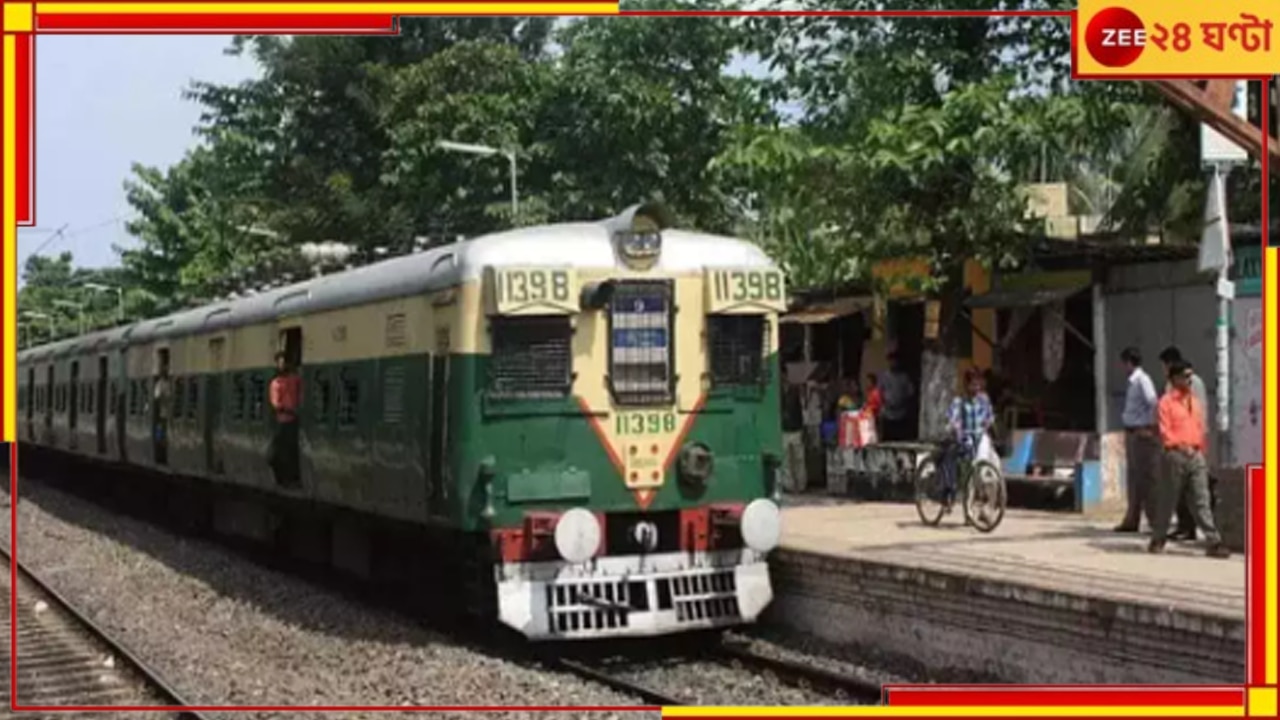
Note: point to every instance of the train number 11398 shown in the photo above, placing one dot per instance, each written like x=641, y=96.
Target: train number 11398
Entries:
x=515, y=289
x=533, y=286
x=736, y=286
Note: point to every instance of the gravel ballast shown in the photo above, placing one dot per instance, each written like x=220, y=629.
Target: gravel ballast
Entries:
x=224, y=630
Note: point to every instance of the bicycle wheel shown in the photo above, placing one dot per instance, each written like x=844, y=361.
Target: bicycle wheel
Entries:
x=984, y=496
x=929, y=491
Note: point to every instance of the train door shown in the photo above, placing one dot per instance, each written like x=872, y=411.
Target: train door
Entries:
x=100, y=405
x=122, y=407
x=49, y=395
x=439, y=423
x=286, y=458
x=73, y=405
x=213, y=407
x=161, y=405
x=31, y=394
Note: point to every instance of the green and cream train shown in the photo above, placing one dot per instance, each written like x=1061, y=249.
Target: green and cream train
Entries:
x=584, y=417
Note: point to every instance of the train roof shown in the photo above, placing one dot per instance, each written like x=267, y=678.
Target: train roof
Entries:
x=586, y=245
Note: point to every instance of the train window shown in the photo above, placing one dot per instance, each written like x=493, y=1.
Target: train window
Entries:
x=179, y=397
x=640, y=347
x=393, y=395
x=324, y=396
x=532, y=357
x=238, y=399
x=349, y=401
x=258, y=398
x=112, y=409
x=193, y=396
x=736, y=347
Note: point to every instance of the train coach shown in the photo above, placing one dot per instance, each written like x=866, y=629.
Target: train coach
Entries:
x=580, y=420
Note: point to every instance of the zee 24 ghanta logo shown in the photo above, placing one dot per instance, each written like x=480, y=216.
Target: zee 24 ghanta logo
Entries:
x=1116, y=37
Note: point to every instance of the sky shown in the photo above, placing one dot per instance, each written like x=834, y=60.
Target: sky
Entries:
x=103, y=103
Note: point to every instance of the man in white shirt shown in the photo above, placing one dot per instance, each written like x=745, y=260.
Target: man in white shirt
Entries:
x=898, y=391
x=1141, y=443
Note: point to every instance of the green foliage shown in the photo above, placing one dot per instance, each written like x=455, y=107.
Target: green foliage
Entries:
x=57, y=297
x=871, y=138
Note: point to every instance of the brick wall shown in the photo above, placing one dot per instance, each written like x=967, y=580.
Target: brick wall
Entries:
x=959, y=627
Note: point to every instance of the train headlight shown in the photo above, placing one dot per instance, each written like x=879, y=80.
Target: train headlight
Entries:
x=637, y=234
x=694, y=466
x=577, y=535
x=761, y=525
x=640, y=244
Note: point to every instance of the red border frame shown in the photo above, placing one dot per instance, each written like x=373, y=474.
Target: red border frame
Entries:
x=1259, y=496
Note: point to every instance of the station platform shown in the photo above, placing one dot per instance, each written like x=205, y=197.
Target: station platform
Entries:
x=1045, y=598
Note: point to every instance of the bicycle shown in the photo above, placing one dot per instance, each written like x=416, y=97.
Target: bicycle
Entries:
x=983, y=501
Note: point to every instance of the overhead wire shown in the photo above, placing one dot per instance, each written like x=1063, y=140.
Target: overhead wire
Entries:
x=62, y=234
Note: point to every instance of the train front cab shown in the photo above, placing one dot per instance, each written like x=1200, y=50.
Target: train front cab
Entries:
x=643, y=497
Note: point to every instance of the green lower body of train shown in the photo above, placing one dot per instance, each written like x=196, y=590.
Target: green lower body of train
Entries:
x=419, y=440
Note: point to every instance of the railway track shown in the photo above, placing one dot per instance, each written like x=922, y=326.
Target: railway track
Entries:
x=648, y=695
x=620, y=673
x=619, y=668
x=860, y=690
x=66, y=659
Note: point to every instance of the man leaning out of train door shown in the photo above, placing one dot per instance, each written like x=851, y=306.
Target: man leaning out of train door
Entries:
x=285, y=396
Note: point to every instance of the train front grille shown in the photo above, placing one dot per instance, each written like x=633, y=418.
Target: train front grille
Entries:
x=698, y=597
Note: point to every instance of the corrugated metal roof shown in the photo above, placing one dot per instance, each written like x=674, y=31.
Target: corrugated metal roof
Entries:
x=824, y=312
x=1025, y=297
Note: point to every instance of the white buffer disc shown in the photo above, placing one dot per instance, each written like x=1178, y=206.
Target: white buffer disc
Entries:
x=761, y=525
x=577, y=535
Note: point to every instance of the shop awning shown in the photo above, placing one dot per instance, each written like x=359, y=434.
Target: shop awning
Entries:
x=825, y=312
x=1023, y=298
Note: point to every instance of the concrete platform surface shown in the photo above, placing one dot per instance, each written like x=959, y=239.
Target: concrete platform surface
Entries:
x=1055, y=552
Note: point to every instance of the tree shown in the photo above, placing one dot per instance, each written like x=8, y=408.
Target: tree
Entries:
x=476, y=92
x=57, y=296
x=640, y=109
x=914, y=137
x=315, y=124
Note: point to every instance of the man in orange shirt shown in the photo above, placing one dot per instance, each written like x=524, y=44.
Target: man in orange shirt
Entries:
x=1182, y=434
x=285, y=396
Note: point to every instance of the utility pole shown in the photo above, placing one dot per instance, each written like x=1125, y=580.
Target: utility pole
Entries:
x=1221, y=155
x=487, y=151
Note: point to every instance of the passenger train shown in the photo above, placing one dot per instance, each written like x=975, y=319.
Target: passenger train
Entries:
x=584, y=417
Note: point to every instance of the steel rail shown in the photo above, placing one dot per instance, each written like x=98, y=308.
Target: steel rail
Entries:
x=102, y=635
x=797, y=673
x=649, y=695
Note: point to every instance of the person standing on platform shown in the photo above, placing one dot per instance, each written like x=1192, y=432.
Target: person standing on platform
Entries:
x=1182, y=435
x=1186, y=527
x=1141, y=444
x=897, y=392
x=875, y=399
